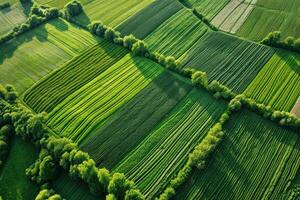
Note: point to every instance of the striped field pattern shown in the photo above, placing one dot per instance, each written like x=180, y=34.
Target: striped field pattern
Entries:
x=81, y=112
x=256, y=160
x=278, y=83
x=230, y=60
x=154, y=162
x=57, y=86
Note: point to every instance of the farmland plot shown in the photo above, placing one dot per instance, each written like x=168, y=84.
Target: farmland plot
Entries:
x=57, y=86
x=154, y=162
x=32, y=55
x=270, y=16
x=11, y=17
x=176, y=35
x=256, y=160
x=149, y=18
x=208, y=8
x=110, y=12
x=233, y=15
x=85, y=109
x=230, y=60
x=13, y=182
x=134, y=120
x=278, y=83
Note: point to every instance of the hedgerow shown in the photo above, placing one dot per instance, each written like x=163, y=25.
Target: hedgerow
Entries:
x=274, y=39
x=37, y=17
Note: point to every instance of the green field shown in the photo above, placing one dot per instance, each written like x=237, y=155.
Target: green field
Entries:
x=32, y=55
x=148, y=19
x=11, y=17
x=272, y=15
x=57, y=86
x=120, y=134
x=13, y=182
x=81, y=112
x=208, y=7
x=164, y=151
x=278, y=83
x=177, y=34
x=256, y=160
x=230, y=60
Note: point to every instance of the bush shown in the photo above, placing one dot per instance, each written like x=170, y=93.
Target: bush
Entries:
x=134, y=194
x=118, y=185
x=200, y=79
x=129, y=41
x=110, y=34
x=140, y=48
x=48, y=194
x=72, y=9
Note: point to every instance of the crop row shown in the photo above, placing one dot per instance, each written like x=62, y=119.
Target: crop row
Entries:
x=229, y=60
x=132, y=123
x=278, y=83
x=177, y=34
x=58, y=85
x=82, y=111
x=154, y=162
x=256, y=160
x=148, y=19
x=26, y=59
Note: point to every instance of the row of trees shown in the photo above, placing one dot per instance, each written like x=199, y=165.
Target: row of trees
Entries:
x=204, y=20
x=37, y=17
x=61, y=153
x=275, y=39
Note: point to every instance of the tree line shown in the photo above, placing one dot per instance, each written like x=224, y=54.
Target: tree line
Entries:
x=58, y=154
x=274, y=39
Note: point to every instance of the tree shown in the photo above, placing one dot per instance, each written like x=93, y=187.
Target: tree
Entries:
x=129, y=41
x=170, y=62
x=289, y=41
x=111, y=34
x=118, y=185
x=3, y=92
x=272, y=38
x=140, y=48
x=200, y=78
x=134, y=194
x=110, y=197
x=72, y=9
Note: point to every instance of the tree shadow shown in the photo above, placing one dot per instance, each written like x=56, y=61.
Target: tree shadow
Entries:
x=83, y=19
x=26, y=7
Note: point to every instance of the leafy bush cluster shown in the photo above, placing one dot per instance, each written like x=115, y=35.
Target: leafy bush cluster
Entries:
x=48, y=194
x=38, y=16
x=80, y=166
x=6, y=131
x=274, y=39
x=72, y=9
x=204, y=20
x=4, y=5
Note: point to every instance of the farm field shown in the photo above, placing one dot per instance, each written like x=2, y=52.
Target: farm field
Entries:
x=278, y=83
x=50, y=46
x=102, y=96
x=10, y=17
x=269, y=16
x=177, y=34
x=148, y=19
x=230, y=60
x=120, y=134
x=13, y=182
x=149, y=100
x=61, y=83
x=164, y=151
x=248, y=164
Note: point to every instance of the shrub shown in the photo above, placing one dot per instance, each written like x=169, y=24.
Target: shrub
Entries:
x=140, y=48
x=72, y=9
x=200, y=79
x=129, y=41
x=48, y=194
x=118, y=185
x=110, y=34
x=134, y=194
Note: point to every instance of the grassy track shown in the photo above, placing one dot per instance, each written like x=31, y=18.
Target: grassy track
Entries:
x=13, y=182
x=134, y=120
x=10, y=17
x=148, y=19
x=208, y=7
x=272, y=15
x=230, y=60
x=256, y=160
x=110, y=12
x=53, y=3
x=81, y=112
x=24, y=60
x=177, y=34
x=57, y=86
x=278, y=83
x=153, y=163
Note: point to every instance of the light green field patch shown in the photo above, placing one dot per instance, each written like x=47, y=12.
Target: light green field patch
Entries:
x=278, y=83
x=32, y=55
x=78, y=114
